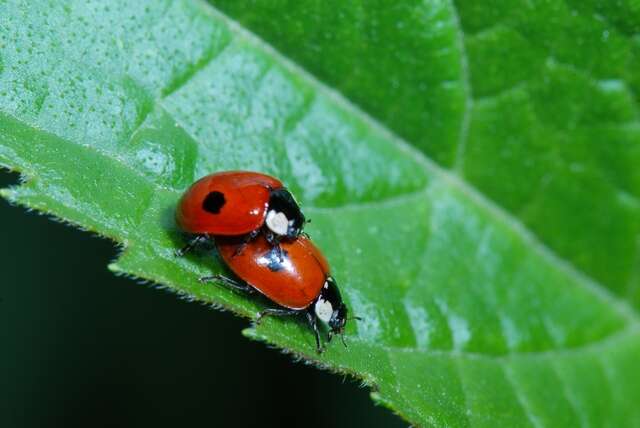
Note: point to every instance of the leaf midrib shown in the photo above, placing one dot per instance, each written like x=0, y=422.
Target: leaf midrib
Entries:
x=603, y=342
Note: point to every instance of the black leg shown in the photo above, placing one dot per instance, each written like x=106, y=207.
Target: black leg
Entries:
x=344, y=342
x=229, y=282
x=314, y=326
x=330, y=336
x=279, y=252
x=248, y=238
x=199, y=239
x=274, y=241
x=276, y=313
x=270, y=236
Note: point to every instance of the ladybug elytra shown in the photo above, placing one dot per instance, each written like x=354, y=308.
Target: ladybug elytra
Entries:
x=297, y=279
x=235, y=203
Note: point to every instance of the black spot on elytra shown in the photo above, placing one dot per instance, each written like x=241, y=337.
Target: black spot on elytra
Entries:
x=214, y=202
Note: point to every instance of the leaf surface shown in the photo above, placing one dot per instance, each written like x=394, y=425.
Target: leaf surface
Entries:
x=535, y=104
x=111, y=109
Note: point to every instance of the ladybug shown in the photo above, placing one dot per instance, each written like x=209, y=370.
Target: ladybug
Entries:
x=235, y=203
x=297, y=279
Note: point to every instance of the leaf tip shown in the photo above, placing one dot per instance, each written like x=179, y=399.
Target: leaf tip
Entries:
x=8, y=193
x=252, y=333
x=115, y=267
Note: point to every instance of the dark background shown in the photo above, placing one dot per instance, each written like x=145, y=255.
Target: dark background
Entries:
x=82, y=347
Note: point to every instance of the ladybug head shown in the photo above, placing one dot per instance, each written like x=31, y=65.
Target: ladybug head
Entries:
x=338, y=319
x=284, y=217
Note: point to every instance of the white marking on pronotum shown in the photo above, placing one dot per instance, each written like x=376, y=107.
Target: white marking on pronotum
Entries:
x=324, y=310
x=277, y=222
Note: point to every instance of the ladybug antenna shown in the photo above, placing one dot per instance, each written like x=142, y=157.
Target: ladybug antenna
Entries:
x=354, y=318
x=308, y=220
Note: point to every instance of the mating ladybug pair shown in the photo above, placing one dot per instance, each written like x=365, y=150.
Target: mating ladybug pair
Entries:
x=256, y=226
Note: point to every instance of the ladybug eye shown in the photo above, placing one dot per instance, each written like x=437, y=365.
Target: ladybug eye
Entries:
x=213, y=202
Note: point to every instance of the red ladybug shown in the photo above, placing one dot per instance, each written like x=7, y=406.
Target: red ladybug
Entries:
x=297, y=279
x=235, y=203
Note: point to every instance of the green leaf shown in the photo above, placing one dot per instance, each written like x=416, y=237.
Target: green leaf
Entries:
x=535, y=104
x=475, y=312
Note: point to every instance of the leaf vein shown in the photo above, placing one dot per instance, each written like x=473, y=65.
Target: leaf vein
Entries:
x=466, y=84
x=465, y=399
x=569, y=395
x=521, y=397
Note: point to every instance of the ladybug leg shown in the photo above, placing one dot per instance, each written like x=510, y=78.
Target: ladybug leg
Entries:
x=275, y=312
x=311, y=318
x=194, y=242
x=248, y=238
x=273, y=240
x=270, y=237
x=229, y=282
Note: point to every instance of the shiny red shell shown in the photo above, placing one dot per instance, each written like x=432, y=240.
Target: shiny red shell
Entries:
x=295, y=282
x=242, y=209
